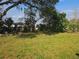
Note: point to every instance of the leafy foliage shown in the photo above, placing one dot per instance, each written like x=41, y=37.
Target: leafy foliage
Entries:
x=9, y=22
x=53, y=21
x=56, y=22
x=74, y=25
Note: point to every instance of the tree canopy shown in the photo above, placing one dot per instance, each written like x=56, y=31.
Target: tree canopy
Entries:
x=40, y=5
x=52, y=20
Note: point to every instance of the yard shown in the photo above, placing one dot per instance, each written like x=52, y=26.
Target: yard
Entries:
x=40, y=46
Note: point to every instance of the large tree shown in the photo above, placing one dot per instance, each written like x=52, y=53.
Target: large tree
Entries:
x=53, y=19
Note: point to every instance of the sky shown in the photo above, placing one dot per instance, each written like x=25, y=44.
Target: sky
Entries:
x=67, y=6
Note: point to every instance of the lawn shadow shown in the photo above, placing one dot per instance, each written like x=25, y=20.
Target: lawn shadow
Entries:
x=26, y=35
x=51, y=33
x=33, y=34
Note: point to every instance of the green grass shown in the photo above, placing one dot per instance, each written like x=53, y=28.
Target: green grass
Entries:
x=40, y=46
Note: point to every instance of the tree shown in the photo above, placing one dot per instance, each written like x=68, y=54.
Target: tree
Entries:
x=74, y=25
x=63, y=22
x=74, y=22
x=9, y=22
x=30, y=19
x=55, y=22
x=1, y=25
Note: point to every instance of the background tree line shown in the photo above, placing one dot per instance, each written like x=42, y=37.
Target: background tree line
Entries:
x=53, y=21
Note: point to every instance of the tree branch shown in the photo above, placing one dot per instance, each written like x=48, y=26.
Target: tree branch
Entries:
x=5, y=12
x=7, y=2
x=19, y=2
x=14, y=4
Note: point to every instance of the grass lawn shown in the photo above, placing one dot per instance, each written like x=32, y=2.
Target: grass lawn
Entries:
x=40, y=46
